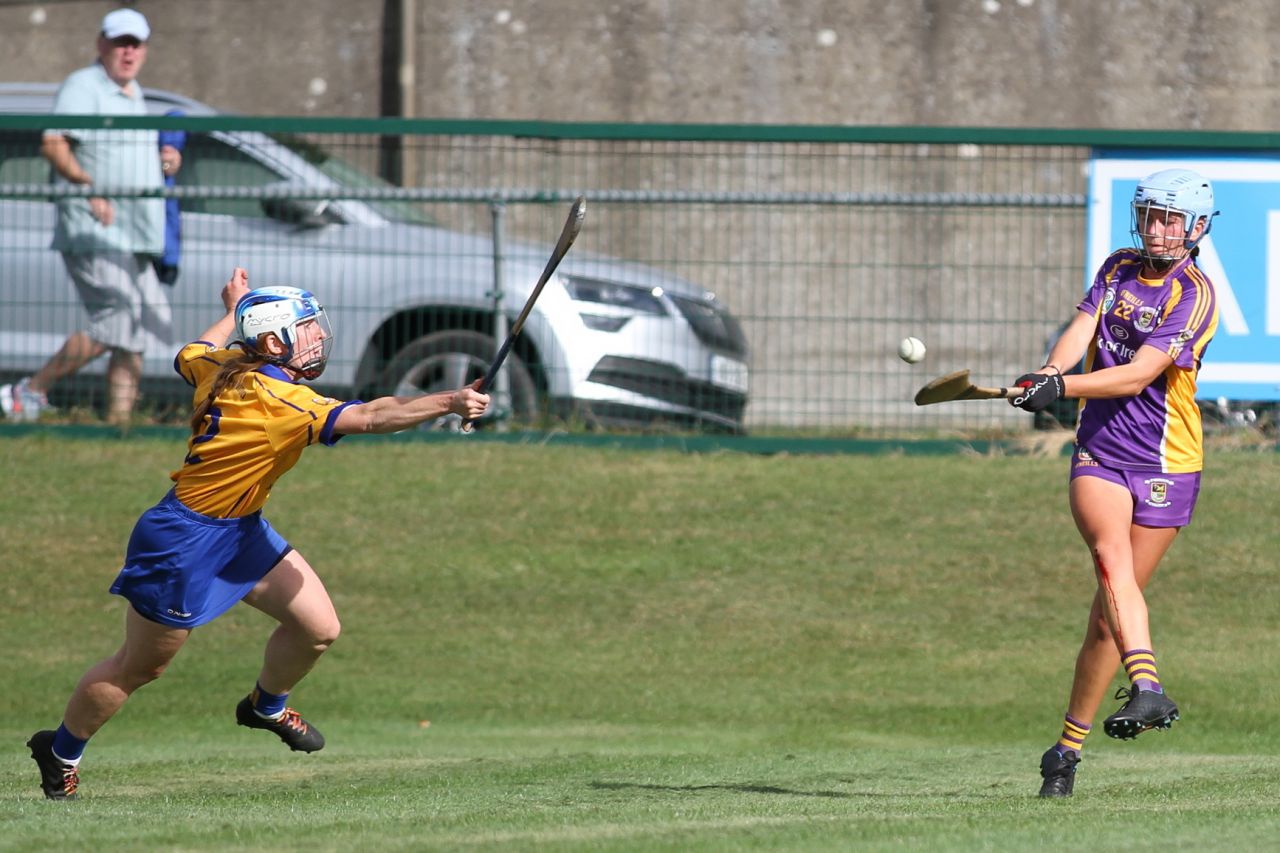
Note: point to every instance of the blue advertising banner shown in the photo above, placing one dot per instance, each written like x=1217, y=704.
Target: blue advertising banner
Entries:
x=1241, y=256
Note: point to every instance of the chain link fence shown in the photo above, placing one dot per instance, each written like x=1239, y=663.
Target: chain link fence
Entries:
x=727, y=278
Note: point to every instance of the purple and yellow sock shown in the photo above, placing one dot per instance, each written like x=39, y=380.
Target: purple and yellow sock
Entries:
x=1140, y=666
x=1073, y=734
x=267, y=705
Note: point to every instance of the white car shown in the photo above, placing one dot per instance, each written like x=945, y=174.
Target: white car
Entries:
x=608, y=342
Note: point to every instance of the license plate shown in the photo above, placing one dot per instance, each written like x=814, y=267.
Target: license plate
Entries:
x=729, y=373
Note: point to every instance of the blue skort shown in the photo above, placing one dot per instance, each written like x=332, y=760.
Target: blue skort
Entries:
x=184, y=569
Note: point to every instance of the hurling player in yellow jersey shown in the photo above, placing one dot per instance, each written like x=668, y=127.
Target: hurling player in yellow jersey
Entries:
x=205, y=545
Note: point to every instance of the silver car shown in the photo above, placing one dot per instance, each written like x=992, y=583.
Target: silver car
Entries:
x=609, y=342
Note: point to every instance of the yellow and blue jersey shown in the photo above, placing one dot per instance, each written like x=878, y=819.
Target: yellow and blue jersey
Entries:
x=253, y=433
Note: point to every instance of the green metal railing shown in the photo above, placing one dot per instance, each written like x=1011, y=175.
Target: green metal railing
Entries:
x=823, y=246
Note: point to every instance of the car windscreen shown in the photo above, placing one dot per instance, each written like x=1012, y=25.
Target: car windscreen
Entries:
x=350, y=175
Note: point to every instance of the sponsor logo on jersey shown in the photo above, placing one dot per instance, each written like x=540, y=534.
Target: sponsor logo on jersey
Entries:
x=1122, y=352
x=1120, y=333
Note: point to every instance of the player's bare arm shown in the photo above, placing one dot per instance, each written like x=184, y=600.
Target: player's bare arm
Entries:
x=1071, y=344
x=1123, y=380
x=392, y=414
x=236, y=286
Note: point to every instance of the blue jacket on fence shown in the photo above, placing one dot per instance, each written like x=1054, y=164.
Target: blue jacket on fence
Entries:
x=167, y=264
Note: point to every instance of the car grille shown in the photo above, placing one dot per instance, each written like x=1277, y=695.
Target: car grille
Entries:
x=713, y=325
x=667, y=383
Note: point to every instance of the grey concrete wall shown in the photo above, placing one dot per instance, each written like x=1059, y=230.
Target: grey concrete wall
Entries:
x=1207, y=64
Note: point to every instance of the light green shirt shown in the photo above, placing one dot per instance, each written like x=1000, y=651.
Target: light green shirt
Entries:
x=119, y=158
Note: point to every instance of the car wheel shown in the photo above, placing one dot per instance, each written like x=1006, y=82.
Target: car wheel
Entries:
x=445, y=361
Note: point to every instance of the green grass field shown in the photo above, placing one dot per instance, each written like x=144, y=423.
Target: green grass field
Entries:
x=578, y=648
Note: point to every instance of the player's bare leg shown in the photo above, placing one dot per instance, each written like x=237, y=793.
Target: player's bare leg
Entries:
x=293, y=595
x=148, y=648
x=1099, y=657
x=1129, y=553
x=1103, y=512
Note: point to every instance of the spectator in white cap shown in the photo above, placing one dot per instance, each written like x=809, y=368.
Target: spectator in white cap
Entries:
x=125, y=22
x=107, y=244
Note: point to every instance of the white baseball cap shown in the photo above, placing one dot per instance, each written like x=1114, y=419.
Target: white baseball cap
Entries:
x=126, y=22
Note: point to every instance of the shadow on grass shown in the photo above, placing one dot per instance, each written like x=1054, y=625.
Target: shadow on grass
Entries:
x=742, y=789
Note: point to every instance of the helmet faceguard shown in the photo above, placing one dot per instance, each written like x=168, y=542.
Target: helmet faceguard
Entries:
x=1166, y=192
x=297, y=320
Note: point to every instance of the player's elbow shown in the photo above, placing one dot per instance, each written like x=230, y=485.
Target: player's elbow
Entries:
x=358, y=420
x=383, y=415
x=1132, y=387
x=1136, y=383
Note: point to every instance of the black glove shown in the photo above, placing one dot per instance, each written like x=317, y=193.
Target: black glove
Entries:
x=1039, y=390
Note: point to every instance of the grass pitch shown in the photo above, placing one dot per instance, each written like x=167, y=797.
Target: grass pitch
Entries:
x=570, y=648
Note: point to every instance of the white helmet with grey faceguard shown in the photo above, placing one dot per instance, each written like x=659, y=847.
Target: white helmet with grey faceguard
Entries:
x=279, y=310
x=1180, y=191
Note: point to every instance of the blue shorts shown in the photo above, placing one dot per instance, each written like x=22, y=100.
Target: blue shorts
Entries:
x=185, y=569
x=1159, y=500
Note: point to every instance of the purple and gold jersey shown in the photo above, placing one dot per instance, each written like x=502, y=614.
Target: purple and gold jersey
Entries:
x=1159, y=429
x=253, y=434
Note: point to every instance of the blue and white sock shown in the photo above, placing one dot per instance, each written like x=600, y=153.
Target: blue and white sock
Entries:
x=67, y=748
x=269, y=706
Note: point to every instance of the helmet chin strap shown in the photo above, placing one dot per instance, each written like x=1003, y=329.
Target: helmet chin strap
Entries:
x=312, y=369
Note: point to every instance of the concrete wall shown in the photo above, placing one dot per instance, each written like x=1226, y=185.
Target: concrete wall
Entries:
x=1207, y=64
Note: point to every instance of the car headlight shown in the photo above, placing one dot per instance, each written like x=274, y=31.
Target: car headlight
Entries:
x=642, y=300
x=603, y=322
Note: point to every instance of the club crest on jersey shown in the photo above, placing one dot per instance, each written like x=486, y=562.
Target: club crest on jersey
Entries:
x=1108, y=299
x=1146, y=319
x=1158, y=496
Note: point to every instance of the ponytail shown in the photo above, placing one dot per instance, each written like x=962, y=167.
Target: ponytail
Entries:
x=229, y=375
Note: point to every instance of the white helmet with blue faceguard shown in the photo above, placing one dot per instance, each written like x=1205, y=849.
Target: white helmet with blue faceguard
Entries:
x=280, y=310
x=1179, y=191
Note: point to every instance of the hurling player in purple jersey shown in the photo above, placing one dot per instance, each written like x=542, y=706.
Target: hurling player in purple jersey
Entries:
x=206, y=545
x=1135, y=474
